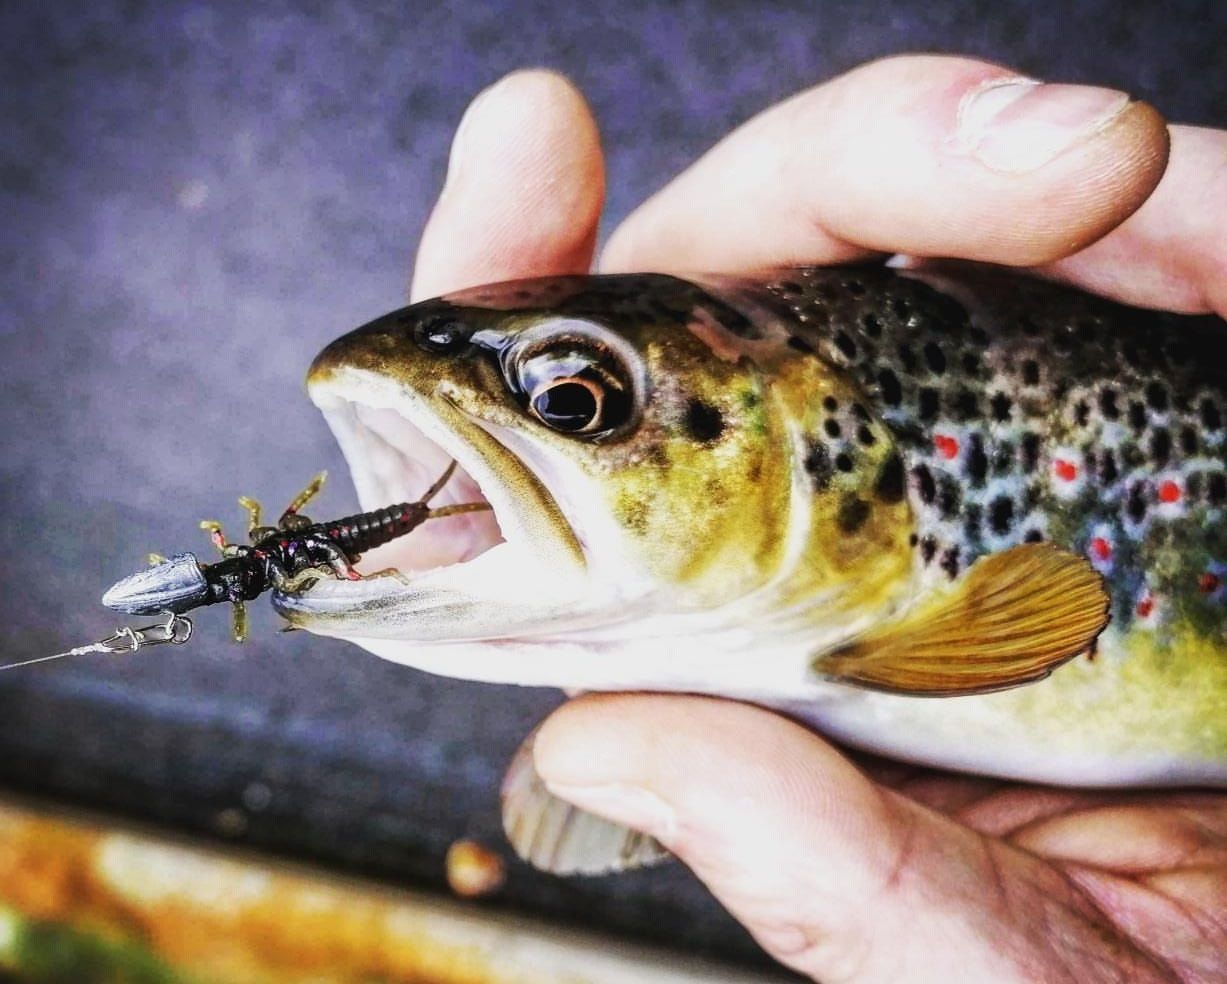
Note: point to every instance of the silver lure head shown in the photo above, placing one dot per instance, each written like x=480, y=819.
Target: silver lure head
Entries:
x=174, y=585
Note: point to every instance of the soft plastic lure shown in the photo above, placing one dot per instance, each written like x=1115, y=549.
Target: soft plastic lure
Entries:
x=287, y=557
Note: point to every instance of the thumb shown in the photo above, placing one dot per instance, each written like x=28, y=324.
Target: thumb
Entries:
x=834, y=876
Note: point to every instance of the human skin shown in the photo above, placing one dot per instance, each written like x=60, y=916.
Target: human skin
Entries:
x=847, y=869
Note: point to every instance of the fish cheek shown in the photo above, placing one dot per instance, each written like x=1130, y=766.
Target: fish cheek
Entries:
x=705, y=499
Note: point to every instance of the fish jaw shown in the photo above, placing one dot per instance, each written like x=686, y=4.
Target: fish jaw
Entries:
x=517, y=567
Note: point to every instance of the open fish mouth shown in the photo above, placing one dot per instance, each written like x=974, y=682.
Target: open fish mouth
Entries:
x=397, y=444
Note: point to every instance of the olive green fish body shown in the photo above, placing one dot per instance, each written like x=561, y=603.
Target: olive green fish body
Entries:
x=838, y=491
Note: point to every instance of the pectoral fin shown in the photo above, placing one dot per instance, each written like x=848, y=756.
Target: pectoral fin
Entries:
x=1013, y=618
x=554, y=836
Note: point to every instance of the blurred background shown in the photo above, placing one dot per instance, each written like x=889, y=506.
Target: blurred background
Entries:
x=194, y=198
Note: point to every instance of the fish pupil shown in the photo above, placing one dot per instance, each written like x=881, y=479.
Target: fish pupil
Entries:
x=566, y=406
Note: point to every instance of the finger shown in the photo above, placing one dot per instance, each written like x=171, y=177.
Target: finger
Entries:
x=835, y=876
x=1171, y=254
x=923, y=155
x=524, y=189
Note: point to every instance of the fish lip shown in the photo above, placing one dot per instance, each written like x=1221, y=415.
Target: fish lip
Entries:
x=347, y=396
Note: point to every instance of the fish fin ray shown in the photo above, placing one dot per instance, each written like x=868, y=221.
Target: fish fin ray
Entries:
x=554, y=836
x=1013, y=618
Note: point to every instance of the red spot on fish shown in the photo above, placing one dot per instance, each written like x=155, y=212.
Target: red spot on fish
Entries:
x=1208, y=583
x=946, y=446
x=1146, y=606
x=1101, y=548
x=1066, y=471
x=1169, y=491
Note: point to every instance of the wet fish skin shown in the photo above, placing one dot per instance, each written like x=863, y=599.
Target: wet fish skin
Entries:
x=810, y=455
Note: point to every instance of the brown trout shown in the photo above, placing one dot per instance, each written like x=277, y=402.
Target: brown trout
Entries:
x=841, y=492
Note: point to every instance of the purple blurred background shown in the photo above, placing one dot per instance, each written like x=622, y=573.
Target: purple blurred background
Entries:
x=194, y=199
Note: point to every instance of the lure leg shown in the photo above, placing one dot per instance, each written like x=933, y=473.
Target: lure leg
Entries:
x=300, y=500
x=253, y=515
x=155, y=559
x=238, y=621
x=214, y=529
x=338, y=561
x=294, y=582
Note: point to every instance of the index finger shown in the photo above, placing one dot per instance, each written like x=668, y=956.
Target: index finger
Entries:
x=929, y=156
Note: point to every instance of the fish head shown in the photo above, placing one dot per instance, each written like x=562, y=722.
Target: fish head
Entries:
x=640, y=443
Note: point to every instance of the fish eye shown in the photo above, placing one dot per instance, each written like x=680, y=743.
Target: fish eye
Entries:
x=575, y=391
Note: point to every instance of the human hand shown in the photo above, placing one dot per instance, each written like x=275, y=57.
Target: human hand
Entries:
x=865, y=871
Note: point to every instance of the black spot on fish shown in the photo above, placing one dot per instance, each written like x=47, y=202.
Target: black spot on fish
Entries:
x=889, y=486
x=949, y=496
x=965, y=405
x=972, y=516
x=865, y=436
x=1031, y=372
x=853, y=511
x=1003, y=458
x=913, y=539
x=843, y=342
x=1131, y=456
x=704, y=422
x=818, y=465
x=908, y=358
x=872, y=326
x=859, y=411
x=1001, y=515
x=1107, y=404
x=977, y=461
x=971, y=363
x=800, y=344
x=855, y=288
x=1137, y=415
x=1188, y=441
x=901, y=308
x=978, y=335
x=1193, y=485
x=1135, y=506
x=1107, y=468
x=1082, y=413
x=928, y=549
x=935, y=358
x=925, y=484
x=950, y=562
x=1211, y=418
x=1033, y=536
x=888, y=382
x=843, y=462
x=1161, y=447
x=930, y=403
x=831, y=427
x=1001, y=405
x=1156, y=396
x=1217, y=487
x=1030, y=451
x=830, y=404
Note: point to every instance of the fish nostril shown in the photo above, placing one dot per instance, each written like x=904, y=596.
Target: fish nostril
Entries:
x=441, y=335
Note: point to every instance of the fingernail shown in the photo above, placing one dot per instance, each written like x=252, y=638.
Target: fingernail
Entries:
x=458, y=159
x=632, y=806
x=1018, y=125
